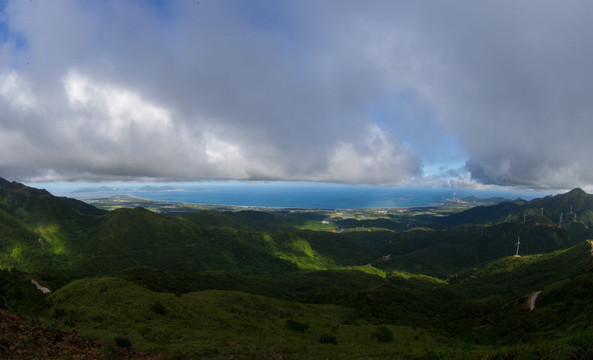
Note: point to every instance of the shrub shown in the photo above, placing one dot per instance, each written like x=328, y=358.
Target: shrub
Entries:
x=383, y=334
x=328, y=339
x=158, y=308
x=122, y=342
x=296, y=326
x=58, y=313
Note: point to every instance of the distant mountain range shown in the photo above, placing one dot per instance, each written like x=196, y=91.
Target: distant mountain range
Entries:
x=147, y=188
x=79, y=236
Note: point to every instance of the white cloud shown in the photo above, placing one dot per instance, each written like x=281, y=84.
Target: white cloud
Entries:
x=290, y=91
x=226, y=157
x=112, y=112
x=374, y=160
x=16, y=92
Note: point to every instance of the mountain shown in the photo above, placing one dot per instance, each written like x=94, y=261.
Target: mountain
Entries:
x=46, y=232
x=94, y=189
x=243, y=220
x=30, y=203
x=484, y=214
x=159, y=188
x=576, y=204
x=40, y=229
x=43, y=231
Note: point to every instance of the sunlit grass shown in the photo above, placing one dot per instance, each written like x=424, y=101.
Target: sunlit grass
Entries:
x=408, y=276
x=299, y=252
x=52, y=236
x=16, y=252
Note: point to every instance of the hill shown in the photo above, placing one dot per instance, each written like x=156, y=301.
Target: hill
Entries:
x=223, y=324
x=528, y=273
x=574, y=206
x=44, y=232
x=244, y=220
x=487, y=307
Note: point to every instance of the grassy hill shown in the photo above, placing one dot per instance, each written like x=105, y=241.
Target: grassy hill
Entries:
x=218, y=315
x=224, y=324
x=528, y=273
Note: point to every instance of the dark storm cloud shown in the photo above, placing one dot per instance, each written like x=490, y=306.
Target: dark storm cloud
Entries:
x=514, y=84
x=323, y=91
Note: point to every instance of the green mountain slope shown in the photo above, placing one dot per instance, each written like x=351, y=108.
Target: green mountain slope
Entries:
x=444, y=252
x=573, y=204
x=500, y=297
x=36, y=206
x=484, y=214
x=44, y=232
x=528, y=273
x=243, y=220
x=225, y=324
x=40, y=230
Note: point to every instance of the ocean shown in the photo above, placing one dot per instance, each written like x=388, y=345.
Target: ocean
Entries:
x=280, y=194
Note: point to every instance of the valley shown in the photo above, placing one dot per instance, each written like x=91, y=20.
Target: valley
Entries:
x=177, y=281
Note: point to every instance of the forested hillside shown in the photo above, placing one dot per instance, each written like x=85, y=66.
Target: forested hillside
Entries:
x=248, y=284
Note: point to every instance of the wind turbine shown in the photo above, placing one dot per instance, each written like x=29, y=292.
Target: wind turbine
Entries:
x=517, y=245
x=560, y=221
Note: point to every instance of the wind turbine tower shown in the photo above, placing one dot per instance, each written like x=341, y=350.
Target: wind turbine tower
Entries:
x=542, y=211
x=523, y=217
x=509, y=217
x=560, y=221
x=517, y=245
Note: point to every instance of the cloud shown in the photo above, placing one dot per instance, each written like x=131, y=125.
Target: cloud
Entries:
x=507, y=80
x=187, y=93
x=511, y=81
x=376, y=161
x=348, y=92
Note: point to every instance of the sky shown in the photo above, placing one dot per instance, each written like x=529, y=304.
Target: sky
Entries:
x=462, y=94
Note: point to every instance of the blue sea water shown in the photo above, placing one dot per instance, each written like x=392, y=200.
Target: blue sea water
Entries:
x=283, y=194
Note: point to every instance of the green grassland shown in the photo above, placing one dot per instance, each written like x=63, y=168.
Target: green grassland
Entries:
x=244, y=284
x=224, y=324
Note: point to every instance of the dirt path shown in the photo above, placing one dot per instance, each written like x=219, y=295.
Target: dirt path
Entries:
x=533, y=298
x=43, y=289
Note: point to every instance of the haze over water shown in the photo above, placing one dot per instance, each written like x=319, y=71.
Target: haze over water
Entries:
x=281, y=194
